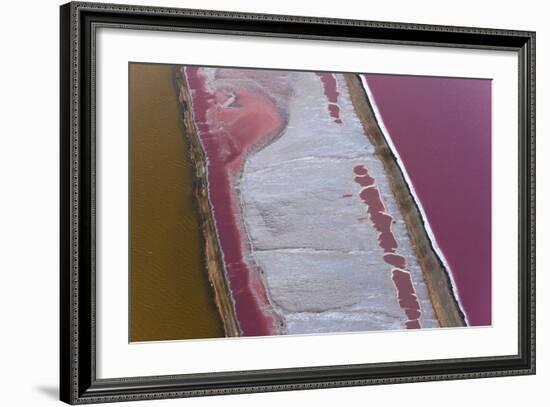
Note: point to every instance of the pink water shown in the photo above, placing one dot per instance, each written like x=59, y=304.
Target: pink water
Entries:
x=441, y=128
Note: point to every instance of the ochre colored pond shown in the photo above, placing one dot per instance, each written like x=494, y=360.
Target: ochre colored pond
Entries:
x=170, y=297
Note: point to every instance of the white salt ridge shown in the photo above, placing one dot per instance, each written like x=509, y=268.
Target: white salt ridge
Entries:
x=319, y=252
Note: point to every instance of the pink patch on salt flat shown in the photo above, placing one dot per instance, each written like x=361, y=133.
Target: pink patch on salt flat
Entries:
x=360, y=170
x=363, y=178
x=382, y=221
x=395, y=260
x=331, y=92
x=406, y=293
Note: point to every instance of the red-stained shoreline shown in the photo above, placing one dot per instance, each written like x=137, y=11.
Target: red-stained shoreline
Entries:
x=382, y=221
x=227, y=132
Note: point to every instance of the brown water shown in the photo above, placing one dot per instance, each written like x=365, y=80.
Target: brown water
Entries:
x=170, y=297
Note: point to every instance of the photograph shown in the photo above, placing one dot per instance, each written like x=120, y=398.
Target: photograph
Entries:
x=276, y=202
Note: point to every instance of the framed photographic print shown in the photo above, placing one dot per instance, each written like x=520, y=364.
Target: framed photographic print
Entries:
x=257, y=203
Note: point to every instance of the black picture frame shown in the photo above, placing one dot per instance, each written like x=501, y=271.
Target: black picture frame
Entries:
x=78, y=382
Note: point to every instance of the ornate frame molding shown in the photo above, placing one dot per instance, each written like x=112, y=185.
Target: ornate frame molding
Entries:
x=79, y=21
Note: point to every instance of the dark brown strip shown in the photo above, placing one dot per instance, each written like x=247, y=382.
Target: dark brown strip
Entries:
x=213, y=255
